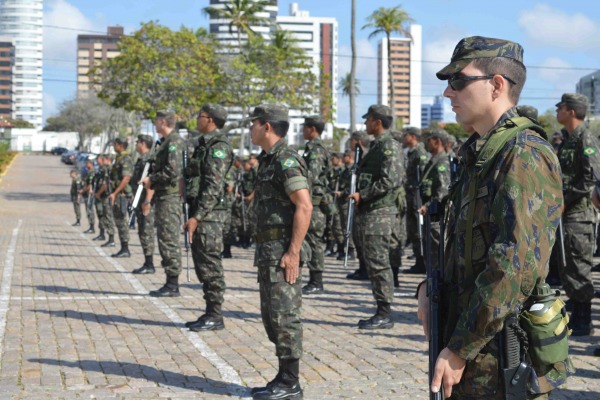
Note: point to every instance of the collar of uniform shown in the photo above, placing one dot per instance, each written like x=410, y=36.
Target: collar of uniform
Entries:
x=385, y=135
x=209, y=135
x=438, y=156
x=577, y=132
x=276, y=147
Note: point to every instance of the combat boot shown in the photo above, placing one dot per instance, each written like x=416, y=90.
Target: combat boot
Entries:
x=124, y=252
x=329, y=250
x=381, y=320
x=418, y=268
x=581, y=322
x=169, y=289
x=255, y=390
x=226, y=253
x=77, y=223
x=90, y=229
x=211, y=321
x=287, y=386
x=315, y=284
x=100, y=236
x=147, y=268
x=361, y=273
x=395, y=271
x=110, y=242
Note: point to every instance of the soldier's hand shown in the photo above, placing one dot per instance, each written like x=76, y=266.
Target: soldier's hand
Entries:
x=145, y=182
x=423, y=309
x=146, y=208
x=190, y=226
x=111, y=198
x=290, y=262
x=356, y=197
x=422, y=210
x=449, y=369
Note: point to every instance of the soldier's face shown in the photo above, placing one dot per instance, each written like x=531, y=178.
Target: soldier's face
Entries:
x=202, y=122
x=257, y=132
x=472, y=103
x=562, y=114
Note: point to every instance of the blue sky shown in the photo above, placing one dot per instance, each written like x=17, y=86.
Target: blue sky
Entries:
x=561, y=39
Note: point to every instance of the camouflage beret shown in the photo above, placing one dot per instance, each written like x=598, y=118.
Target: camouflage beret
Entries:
x=337, y=155
x=359, y=135
x=573, y=100
x=270, y=112
x=451, y=139
x=527, y=111
x=411, y=130
x=120, y=141
x=475, y=47
x=314, y=120
x=146, y=139
x=215, y=111
x=378, y=110
x=165, y=114
x=436, y=133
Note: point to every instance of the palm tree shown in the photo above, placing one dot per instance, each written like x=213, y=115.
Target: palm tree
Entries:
x=353, y=84
x=242, y=14
x=345, y=85
x=389, y=20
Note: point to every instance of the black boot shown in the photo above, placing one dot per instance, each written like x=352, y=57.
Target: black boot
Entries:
x=147, y=268
x=361, y=273
x=226, y=253
x=77, y=223
x=381, y=320
x=315, y=284
x=418, y=268
x=169, y=289
x=330, y=249
x=287, y=386
x=581, y=321
x=124, y=252
x=100, y=236
x=277, y=378
x=395, y=271
x=90, y=229
x=110, y=242
x=211, y=321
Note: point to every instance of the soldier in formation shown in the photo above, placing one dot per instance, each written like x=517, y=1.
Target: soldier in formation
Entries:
x=87, y=194
x=120, y=175
x=76, y=187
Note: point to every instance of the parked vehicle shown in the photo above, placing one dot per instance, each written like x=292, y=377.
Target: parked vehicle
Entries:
x=69, y=157
x=57, y=151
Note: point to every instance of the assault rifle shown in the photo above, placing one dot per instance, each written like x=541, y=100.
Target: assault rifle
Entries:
x=140, y=188
x=186, y=215
x=434, y=277
x=350, y=221
x=419, y=204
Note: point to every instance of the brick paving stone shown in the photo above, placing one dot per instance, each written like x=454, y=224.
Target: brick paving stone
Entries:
x=80, y=326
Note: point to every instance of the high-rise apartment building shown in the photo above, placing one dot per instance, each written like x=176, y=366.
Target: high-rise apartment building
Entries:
x=589, y=86
x=432, y=112
x=93, y=49
x=221, y=30
x=406, y=54
x=7, y=60
x=22, y=22
x=317, y=36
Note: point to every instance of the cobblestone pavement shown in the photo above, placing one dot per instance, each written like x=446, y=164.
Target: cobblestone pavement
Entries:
x=75, y=323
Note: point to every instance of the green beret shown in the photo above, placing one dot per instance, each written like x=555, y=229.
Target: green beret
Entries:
x=573, y=100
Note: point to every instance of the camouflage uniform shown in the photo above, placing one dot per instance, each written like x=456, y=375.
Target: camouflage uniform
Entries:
x=380, y=176
x=210, y=162
x=342, y=202
x=122, y=167
x=76, y=186
x=236, y=229
x=417, y=158
x=334, y=222
x=106, y=214
x=165, y=178
x=316, y=158
x=229, y=229
x=248, y=185
x=89, y=200
x=281, y=172
x=145, y=223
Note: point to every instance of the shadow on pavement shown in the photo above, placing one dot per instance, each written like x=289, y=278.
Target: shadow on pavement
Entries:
x=38, y=197
x=152, y=374
x=65, y=289
x=107, y=319
x=61, y=269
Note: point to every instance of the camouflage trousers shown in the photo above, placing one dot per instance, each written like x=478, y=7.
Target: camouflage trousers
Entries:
x=579, y=249
x=343, y=213
x=280, y=307
x=76, y=207
x=168, y=232
x=121, y=219
x=412, y=224
x=145, y=226
x=89, y=210
x=226, y=228
x=314, y=238
x=106, y=216
x=377, y=234
x=231, y=235
x=206, y=251
x=338, y=225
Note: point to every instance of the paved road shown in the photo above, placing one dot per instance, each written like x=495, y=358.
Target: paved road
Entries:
x=74, y=323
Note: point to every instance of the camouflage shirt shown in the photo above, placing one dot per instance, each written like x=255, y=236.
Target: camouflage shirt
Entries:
x=317, y=159
x=210, y=162
x=168, y=164
x=417, y=158
x=76, y=186
x=517, y=203
x=138, y=171
x=579, y=157
x=333, y=178
x=281, y=172
x=435, y=181
x=249, y=181
x=122, y=167
x=90, y=181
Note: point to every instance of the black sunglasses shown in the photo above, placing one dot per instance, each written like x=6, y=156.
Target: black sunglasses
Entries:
x=458, y=82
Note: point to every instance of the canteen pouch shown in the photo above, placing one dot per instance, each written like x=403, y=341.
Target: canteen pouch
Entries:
x=547, y=333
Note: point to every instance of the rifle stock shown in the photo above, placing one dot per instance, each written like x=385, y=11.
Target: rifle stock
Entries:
x=419, y=204
x=140, y=188
x=350, y=221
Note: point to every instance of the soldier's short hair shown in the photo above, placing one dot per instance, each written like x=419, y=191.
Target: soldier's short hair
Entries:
x=576, y=102
x=315, y=121
x=122, y=142
x=168, y=116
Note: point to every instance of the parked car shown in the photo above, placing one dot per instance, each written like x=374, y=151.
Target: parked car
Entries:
x=69, y=157
x=57, y=151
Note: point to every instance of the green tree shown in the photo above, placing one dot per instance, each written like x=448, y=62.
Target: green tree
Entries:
x=387, y=21
x=456, y=130
x=548, y=121
x=242, y=15
x=20, y=123
x=348, y=89
x=158, y=68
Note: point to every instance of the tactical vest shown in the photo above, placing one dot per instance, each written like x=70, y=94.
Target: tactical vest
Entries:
x=318, y=196
x=370, y=171
x=200, y=154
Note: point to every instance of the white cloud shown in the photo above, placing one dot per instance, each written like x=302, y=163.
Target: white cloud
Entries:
x=559, y=74
x=548, y=26
x=60, y=44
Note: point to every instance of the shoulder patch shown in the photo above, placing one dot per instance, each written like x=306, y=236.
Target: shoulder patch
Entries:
x=589, y=151
x=288, y=163
x=442, y=168
x=218, y=153
x=313, y=156
x=423, y=157
x=172, y=148
x=388, y=152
